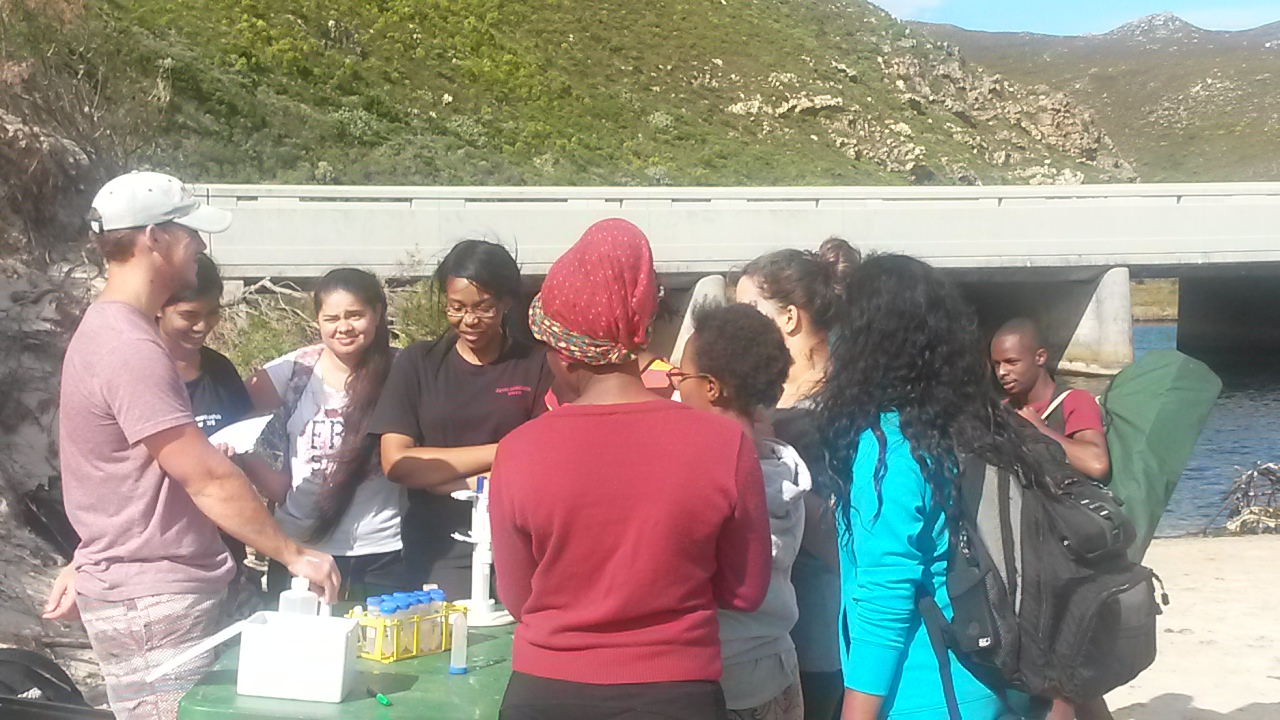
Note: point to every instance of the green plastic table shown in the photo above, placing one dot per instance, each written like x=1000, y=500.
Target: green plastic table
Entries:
x=417, y=688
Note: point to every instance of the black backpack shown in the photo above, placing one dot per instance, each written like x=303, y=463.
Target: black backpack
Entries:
x=29, y=675
x=1044, y=597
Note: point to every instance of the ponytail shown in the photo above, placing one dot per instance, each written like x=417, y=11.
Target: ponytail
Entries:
x=841, y=260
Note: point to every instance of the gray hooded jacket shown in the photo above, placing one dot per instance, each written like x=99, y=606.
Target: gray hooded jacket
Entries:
x=758, y=655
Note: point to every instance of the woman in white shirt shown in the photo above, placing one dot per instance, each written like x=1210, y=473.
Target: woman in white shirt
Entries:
x=333, y=496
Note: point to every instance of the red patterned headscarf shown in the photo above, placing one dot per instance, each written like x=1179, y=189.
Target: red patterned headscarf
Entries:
x=600, y=297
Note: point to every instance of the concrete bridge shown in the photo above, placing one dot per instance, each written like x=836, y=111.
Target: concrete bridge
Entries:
x=1063, y=255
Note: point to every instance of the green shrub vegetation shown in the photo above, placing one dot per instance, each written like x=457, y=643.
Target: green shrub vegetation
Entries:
x=491, y=91
x=417, y=313
x=262, y=326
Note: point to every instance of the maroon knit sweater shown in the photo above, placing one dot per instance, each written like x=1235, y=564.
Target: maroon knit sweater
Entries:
x=618, y=530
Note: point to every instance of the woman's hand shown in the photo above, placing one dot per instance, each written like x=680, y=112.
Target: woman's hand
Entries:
x=61, y=604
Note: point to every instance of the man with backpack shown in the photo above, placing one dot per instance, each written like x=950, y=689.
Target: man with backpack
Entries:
x=1071, y=417
x=143, y=487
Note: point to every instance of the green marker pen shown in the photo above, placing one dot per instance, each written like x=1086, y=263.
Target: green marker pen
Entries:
x=382, y=699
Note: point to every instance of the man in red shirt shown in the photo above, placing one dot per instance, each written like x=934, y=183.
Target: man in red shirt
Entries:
x=1069, y=416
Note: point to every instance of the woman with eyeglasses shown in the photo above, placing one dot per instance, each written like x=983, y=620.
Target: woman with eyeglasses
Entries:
x=449, y=401
x=734, y=365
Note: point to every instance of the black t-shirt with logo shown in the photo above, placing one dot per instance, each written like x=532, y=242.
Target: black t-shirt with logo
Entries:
x=218, y=397
x=439, y=399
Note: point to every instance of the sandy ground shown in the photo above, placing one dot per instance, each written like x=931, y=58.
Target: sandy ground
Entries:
x=1219, y=643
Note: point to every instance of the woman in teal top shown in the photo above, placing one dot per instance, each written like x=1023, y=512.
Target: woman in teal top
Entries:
x=892, y=545
x=907, y=392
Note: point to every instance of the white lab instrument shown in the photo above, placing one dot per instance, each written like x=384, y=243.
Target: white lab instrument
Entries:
x=482, y=609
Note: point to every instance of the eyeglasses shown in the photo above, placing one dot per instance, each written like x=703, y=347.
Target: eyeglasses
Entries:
x=480, y=313
x=677, y=376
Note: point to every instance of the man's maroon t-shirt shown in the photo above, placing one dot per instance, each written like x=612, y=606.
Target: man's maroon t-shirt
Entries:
x=1080, y=411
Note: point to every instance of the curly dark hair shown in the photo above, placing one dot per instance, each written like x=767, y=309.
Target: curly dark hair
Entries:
x=909, y=343
x=744, y=351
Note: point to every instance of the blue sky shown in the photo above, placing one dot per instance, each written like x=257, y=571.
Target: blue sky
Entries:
x=1074, y=17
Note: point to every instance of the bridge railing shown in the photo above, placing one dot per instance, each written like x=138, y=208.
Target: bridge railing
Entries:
x=301, y=231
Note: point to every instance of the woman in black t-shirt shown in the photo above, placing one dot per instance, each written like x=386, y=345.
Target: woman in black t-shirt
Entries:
x=449, y=401
x=218, y=396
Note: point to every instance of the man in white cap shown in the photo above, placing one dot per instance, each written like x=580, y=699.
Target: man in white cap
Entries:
x=143, y=487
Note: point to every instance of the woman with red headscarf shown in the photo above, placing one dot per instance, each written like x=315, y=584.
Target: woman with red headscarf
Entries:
x=622, y=521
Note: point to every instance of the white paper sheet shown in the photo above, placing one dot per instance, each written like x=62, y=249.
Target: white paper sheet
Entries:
x=242, y=436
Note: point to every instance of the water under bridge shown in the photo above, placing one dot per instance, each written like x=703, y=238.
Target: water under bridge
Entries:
x=1062, y=255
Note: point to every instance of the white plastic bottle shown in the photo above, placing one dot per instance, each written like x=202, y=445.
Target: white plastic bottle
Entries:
x=458, y=649
x=299, y=599
x=408, y=624
x=387, y=611
x=437, y=627
x=369, y=641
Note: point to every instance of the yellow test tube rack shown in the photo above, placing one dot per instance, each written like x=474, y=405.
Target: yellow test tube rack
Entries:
x=387, y=640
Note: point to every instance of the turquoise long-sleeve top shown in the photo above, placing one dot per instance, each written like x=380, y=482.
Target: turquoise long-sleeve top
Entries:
x=893, y=544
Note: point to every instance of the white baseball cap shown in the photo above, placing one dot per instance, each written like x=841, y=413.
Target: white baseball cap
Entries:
x=139, y=199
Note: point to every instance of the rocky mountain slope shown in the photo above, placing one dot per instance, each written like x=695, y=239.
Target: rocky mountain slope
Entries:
x=550, y=92
x=1181, y=102
x=45, y=282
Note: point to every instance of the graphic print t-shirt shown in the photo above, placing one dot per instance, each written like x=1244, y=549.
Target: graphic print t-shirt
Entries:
x=218, y=397
x=372, y=522
x=452, y=403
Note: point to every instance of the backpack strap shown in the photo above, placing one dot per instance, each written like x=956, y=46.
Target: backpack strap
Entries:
x=30, y=675
x=1054, y=405
x=973, y=474
x=935, y=624
x=304, y=366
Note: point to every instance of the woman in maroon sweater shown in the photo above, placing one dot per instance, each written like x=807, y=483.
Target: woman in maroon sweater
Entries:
x=621, y=521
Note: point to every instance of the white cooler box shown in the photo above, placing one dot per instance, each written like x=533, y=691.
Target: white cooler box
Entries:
x=297, y=657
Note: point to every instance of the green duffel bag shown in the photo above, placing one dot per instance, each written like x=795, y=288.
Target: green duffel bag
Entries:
x=1154, y=411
